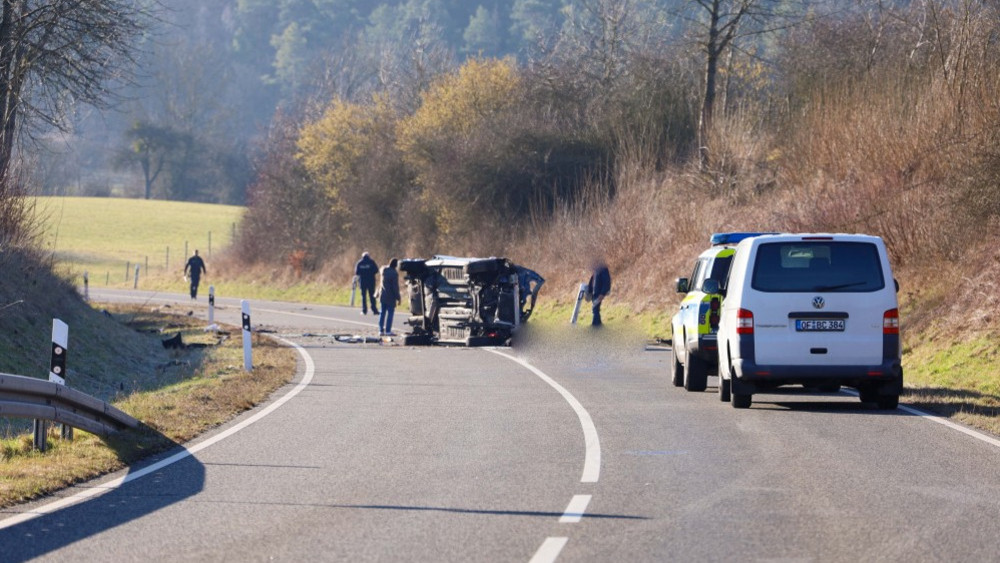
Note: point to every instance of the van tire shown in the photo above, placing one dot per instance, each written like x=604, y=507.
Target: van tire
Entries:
x=888, y=402
x=725, y=389
x=676, y=369
x=695, y=373
x=741, y=401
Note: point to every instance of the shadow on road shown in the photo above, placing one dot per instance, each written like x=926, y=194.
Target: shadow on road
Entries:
x=134, y=499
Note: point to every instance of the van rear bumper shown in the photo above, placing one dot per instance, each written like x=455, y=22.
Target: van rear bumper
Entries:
x=888, y=375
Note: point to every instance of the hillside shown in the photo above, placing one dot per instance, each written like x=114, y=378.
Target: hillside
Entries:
x=102, y=353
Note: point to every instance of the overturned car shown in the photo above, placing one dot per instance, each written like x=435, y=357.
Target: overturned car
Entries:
x=468, y=301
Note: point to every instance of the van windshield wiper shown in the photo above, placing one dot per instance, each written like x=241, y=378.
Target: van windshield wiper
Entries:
x=838, y=286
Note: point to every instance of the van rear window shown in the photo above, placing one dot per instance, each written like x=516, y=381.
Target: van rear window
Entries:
x=820, y=266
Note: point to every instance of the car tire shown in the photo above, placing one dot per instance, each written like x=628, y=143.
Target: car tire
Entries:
x=695, y=374
x=415, y=268
x=740, y=400
x=474, y=341
x=416, y=340
x=725, y=388
x=676, y=369
x=490, y=266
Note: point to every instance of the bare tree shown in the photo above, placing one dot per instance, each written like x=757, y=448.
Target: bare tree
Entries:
x=717, y=26
x=55, y=54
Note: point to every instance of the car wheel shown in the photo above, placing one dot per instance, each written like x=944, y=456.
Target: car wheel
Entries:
x=741, y=401
x=696, y=374
x=676, y=369
x=490, y=266
x=416, y=340
x=725, y=386
x=480, y=341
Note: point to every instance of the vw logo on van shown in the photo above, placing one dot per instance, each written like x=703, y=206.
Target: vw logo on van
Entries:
x=818, y=302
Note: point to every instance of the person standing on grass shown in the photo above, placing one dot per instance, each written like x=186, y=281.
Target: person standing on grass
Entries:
x=598, y=286
x=196, y=266
x=389, y=297
x=365, y=269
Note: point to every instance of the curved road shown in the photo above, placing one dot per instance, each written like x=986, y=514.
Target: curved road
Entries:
x=571, y=446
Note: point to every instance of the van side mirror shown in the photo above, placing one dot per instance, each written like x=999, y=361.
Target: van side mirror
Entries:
x=682, y=285
x=710, y=286
x=895, y=281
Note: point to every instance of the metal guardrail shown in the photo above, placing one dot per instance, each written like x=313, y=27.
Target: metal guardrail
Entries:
x=30, y=397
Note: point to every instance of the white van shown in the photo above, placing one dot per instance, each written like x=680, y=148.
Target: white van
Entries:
x=818, y=310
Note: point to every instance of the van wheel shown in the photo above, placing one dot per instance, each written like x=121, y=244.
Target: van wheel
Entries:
x=676, y=369
x=696, y=374
x=741, y=401
x=867, y=395
x=725, y=385
x=888, y=402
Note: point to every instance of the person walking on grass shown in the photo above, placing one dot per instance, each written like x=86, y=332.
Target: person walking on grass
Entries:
x=365, y=270
x=195, y=267
x=388, y=296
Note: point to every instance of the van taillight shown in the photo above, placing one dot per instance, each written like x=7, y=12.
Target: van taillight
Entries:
x=890, y=322
x=744, y=322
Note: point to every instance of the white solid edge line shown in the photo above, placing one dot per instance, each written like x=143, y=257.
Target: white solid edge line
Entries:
x=186, y=452
x=549, y=550
x=943, y=421
x=592, y=456
x=576, y=509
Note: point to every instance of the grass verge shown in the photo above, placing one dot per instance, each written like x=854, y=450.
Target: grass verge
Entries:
x=197, y=389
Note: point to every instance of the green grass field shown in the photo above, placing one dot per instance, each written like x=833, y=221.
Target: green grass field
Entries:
x=108, y=237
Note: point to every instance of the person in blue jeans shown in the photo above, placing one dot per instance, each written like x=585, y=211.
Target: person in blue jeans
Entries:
x=388, y=296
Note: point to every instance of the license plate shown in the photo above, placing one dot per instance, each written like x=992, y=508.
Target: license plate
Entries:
x=820, y=325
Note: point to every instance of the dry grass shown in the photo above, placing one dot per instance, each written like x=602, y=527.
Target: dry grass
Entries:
x=196, y=390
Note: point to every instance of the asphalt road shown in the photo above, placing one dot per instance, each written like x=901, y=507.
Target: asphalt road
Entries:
x=570, y=446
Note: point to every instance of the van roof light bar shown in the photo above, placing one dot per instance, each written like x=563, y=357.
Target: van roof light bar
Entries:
x=733, y=238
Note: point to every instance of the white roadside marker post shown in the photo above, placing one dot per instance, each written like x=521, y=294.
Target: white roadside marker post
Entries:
x=57, y=374
x=211, y=304
x=354, y=289
x=576, y=308
x=247, y=346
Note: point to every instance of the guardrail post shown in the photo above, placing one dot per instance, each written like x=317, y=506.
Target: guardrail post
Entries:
x=211, y=304
x=576, y=308
x=354, y=289
x=247, y=345
x=41, y=431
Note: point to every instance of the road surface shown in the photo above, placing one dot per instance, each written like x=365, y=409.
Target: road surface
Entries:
x=570, y=446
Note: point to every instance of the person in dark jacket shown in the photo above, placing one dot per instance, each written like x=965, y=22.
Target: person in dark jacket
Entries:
x=195, y=267
x=389, y=297
x=365, y=270
x=599, y=286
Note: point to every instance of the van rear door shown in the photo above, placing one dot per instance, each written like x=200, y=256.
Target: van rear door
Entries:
x=819, y=301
